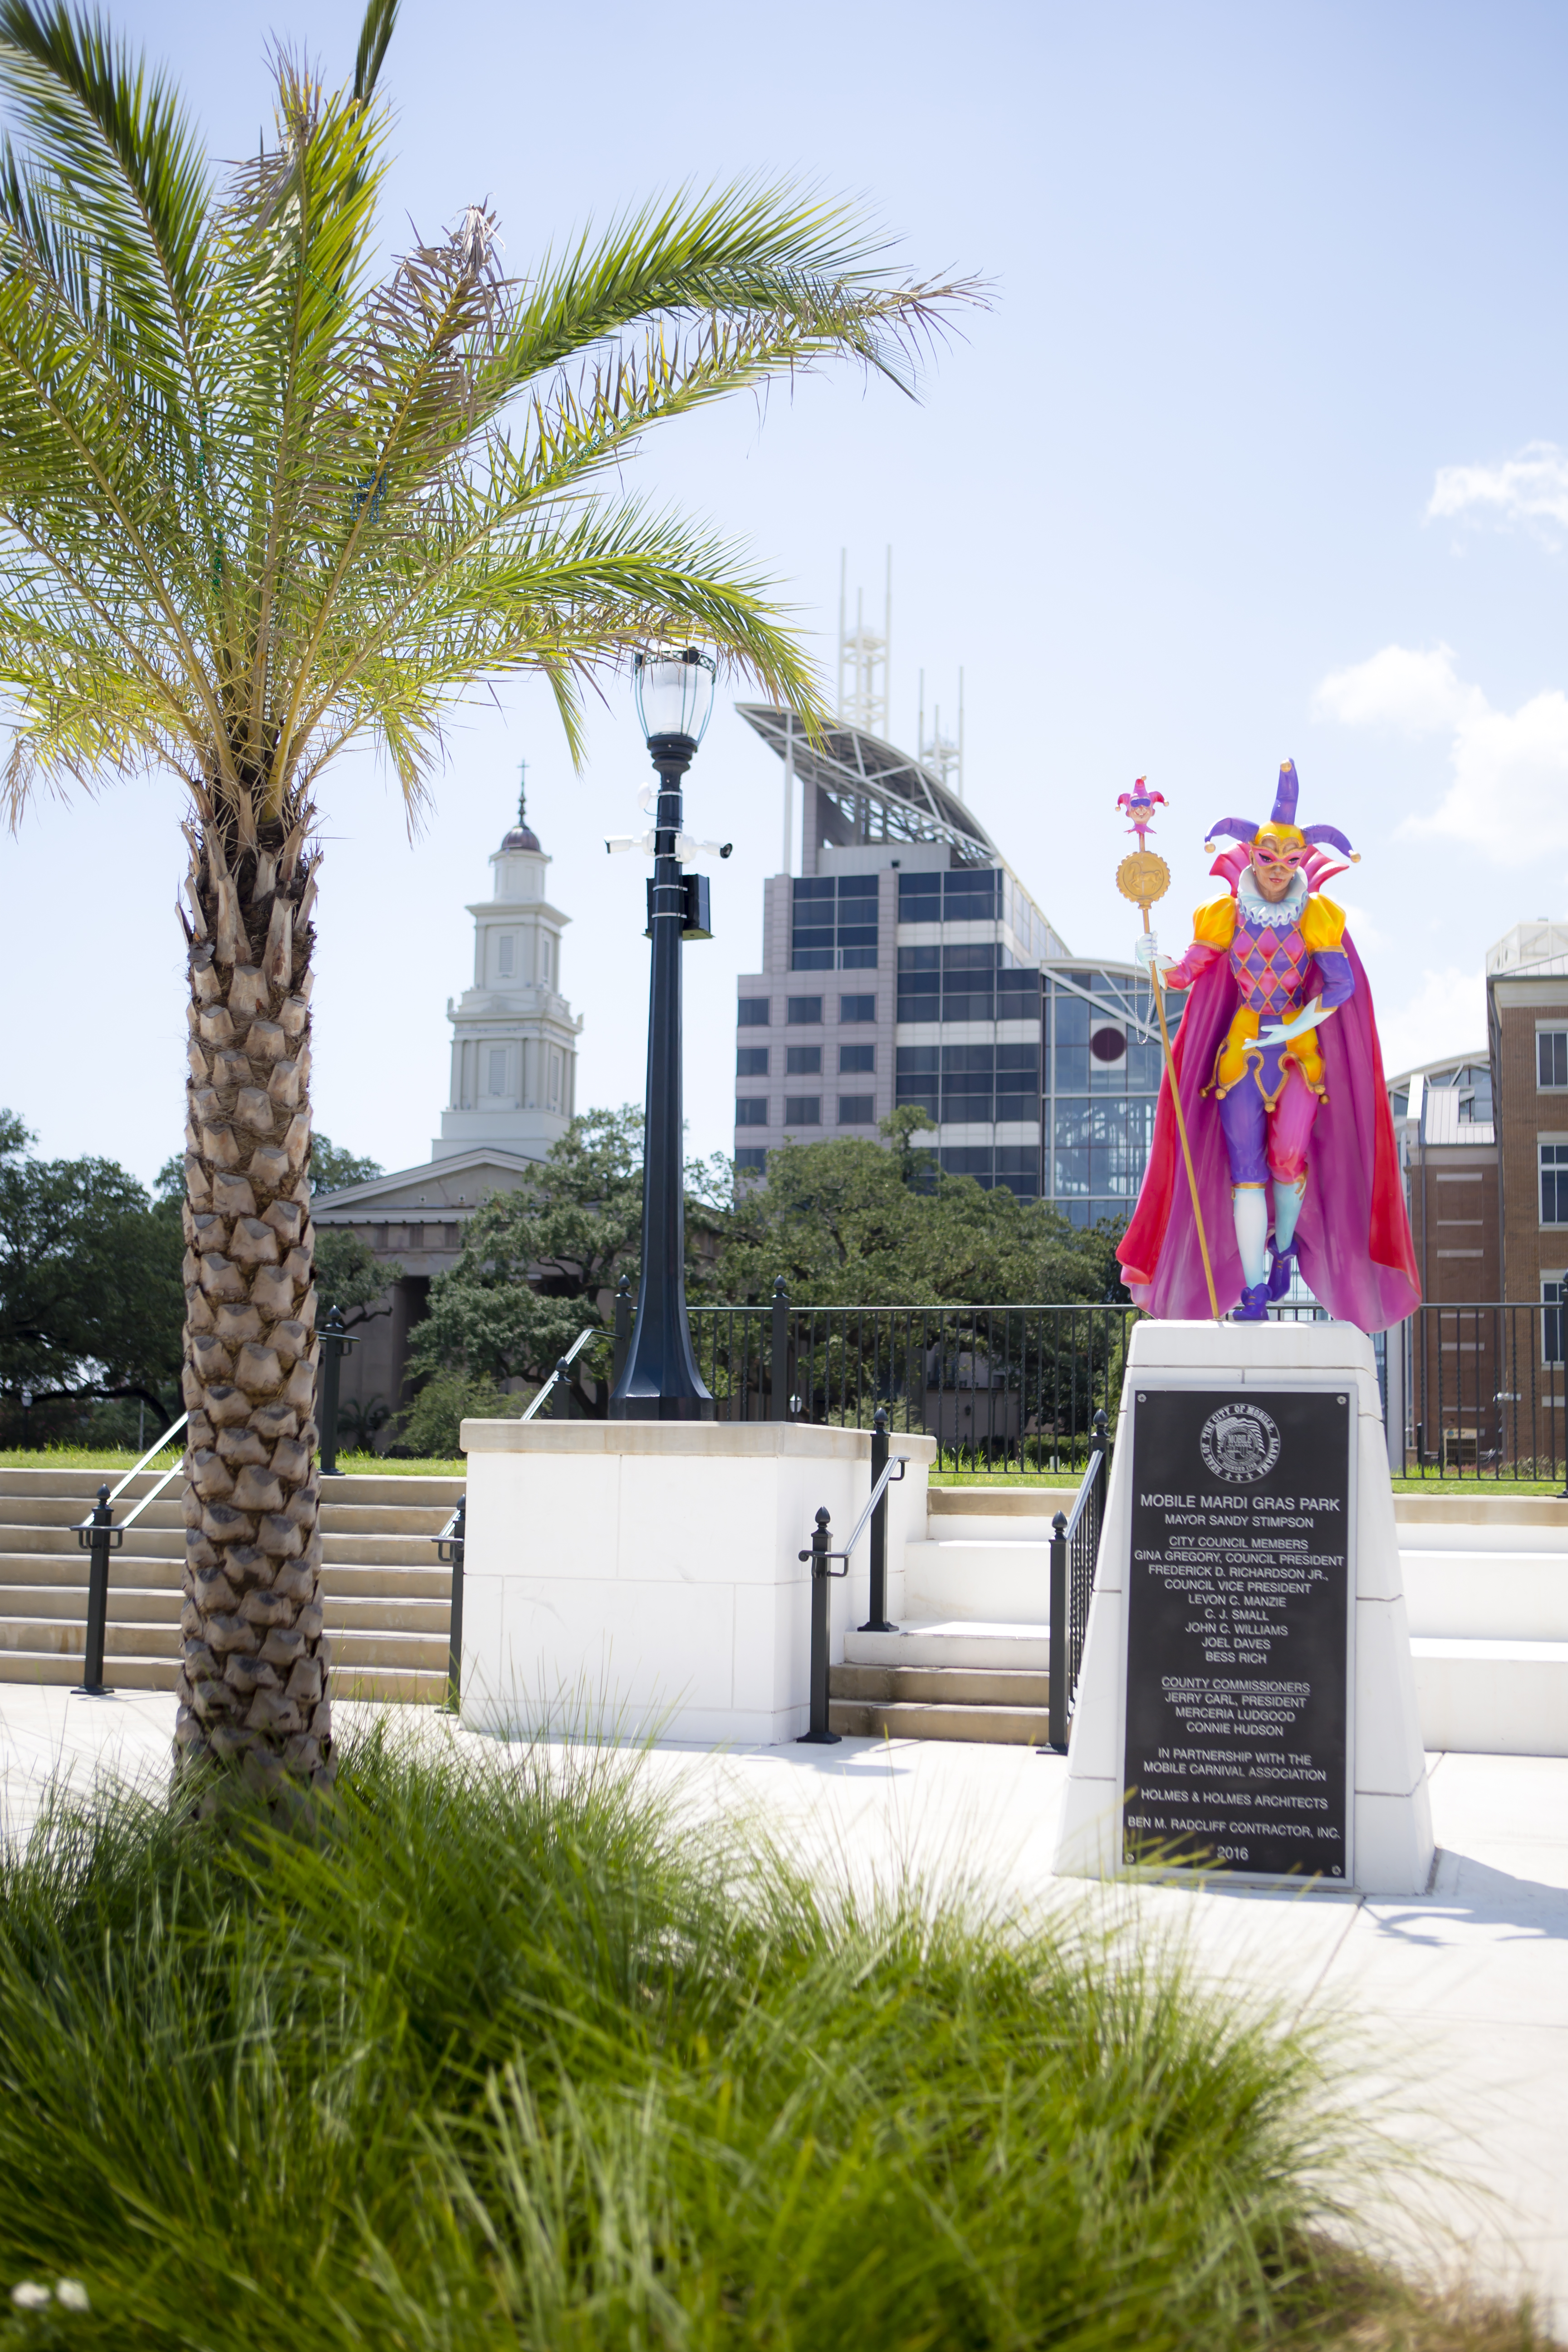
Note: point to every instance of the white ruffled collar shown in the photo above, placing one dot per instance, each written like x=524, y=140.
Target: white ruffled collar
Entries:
x=1282, y=916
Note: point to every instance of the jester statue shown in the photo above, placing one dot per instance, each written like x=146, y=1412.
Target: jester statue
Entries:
x=1281, y=1088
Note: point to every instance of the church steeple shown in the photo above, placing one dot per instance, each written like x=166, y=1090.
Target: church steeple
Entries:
x=514, y=1036
x=522, y=835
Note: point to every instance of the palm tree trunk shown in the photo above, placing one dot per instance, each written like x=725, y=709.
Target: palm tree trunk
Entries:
x=253, y=1679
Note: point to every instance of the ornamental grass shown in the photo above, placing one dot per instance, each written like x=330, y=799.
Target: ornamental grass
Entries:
x=511, y=2054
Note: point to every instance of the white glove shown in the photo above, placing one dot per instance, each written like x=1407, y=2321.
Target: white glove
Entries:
x=1146, y=949
x=1283, y=1031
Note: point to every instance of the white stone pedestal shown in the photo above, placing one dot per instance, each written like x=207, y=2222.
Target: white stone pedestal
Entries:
x=623, y=1577
x=1392, y=1846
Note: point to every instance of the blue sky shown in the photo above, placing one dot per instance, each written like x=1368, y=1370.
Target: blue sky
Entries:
x=1260, y=450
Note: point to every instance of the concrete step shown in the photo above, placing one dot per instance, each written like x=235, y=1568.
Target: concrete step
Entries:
x=57, y=1638
x=135, y=1606
x=1506, y=1596
x=67, y=1572
x=1011, y=1515
x=401, y=1493
x=424, y=1686
x=354, y=1644
x=976, y=1643
x=994, y=1503
x=946, y=1685
x=67, y=1666
x=1493, y=1698
x=69, y=1569
x=996, y=1578
x=163, y=1532
x=1484, y=1515
x=1011, y=1727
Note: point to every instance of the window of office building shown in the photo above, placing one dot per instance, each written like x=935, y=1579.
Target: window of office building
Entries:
x=856, y=1110
x=1553, y=1184
x=751, y=1159
x=803, y=1012
x=802, y=1061
x=751, y=1110
x=969, y=895
x=834, y=923
x=1551, y=1057
x=752, y=1062
x=973, y=981
x=855, y=1008
x=917, y=1078
x=1100, y=1079
x=855, y=1060
x=1013, y=1166
x=978, y=895
x=967, y=1084
x=753, y=1013
x=803, y=1110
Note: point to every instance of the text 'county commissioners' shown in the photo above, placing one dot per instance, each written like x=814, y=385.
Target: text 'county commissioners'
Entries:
x=1238, y=1631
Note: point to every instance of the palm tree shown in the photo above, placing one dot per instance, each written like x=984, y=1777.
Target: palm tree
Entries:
x=256, y=503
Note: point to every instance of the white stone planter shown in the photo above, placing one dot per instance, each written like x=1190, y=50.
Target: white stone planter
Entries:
x=623, y=1577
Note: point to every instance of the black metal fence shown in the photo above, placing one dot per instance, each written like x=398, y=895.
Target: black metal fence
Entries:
x=1002, y=1389
x=1480, y=1390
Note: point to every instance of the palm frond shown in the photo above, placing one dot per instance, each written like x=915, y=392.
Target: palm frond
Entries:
x=380, y=16
x=254, y=502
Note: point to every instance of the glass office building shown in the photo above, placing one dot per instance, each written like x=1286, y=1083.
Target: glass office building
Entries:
x=908, y=965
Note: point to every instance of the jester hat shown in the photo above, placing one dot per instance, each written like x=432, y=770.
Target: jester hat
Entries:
x=1281, y=821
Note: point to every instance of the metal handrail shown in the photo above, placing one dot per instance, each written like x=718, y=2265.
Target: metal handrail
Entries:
x=1085, y=1488
x=891, y=1476
x=593, y=1331
x=173, y=1431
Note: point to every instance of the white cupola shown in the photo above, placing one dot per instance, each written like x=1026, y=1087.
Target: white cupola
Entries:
x=514, y=1036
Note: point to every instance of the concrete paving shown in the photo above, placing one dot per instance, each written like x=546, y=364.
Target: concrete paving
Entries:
x=1450, y=2010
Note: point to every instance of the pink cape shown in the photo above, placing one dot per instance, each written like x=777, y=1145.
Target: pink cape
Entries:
x=1353, y=1238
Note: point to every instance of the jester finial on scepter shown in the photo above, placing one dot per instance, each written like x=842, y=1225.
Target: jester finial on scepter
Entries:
x=1140, y=805
x=1143, y=876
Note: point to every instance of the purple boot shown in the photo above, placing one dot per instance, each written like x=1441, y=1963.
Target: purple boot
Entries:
x=1280, y=1271
x=1253, y=1305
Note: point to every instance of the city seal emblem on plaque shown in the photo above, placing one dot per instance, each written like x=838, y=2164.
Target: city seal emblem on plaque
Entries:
x=1241, y=1444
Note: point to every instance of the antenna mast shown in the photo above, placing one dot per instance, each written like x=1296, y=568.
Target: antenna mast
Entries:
x=863, y=655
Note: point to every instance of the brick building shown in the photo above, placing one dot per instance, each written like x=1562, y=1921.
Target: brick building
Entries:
x=1449, y=1153
x=1483, y=1142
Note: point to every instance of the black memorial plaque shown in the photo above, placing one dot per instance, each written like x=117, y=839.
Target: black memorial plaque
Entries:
x=1238, y=1631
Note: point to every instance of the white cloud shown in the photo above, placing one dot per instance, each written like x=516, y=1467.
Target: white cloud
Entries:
x=1509, y=794
x=1447, y=1016
x=1418, y=693
x=1531, y=489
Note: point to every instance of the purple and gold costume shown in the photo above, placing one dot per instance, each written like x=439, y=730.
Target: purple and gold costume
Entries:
x=1281, y=956
x=1254, y=965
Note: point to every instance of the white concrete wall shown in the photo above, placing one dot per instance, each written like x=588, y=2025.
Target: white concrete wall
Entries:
x=623, y=1577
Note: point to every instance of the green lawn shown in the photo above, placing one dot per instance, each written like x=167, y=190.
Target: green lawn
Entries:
x=510, y=2057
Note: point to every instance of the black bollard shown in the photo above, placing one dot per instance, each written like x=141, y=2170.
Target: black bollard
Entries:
x=95, y=1538
x=820, y=1555
x=449, y=1547
x=331, y=1369
x=623, y=1329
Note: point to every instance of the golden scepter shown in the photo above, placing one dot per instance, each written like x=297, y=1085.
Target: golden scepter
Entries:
x=1143, y=876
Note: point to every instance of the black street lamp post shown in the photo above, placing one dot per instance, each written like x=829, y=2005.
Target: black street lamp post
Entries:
x=660, y=1380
